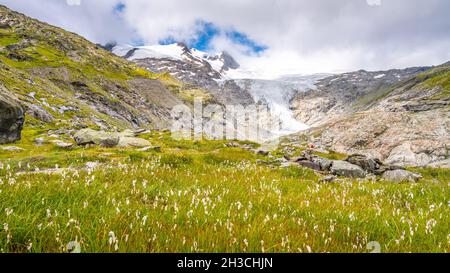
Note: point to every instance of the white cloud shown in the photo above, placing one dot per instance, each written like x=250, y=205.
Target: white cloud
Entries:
x=374, y=2
x=302, y=36
x=73, y=2
x=93, y=19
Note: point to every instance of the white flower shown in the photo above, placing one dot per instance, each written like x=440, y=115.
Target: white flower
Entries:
x=9, y=211
x=144, y=220
x=112, y=237
x=430, y=225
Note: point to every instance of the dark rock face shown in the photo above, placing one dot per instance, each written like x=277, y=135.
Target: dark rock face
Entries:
x=11, y=118
x=228, y=61
x=200, y=74
x=423, y=106
x=108, y=46
x=370, y=165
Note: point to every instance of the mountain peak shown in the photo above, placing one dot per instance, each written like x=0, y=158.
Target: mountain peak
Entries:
x=228, y=61
x=183, y=46
x=220, y=63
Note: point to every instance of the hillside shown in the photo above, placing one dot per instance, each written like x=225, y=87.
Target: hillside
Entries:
x=60, y=79
x=401, y=116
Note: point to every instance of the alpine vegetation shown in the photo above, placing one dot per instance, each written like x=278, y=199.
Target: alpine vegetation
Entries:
x=186, y=136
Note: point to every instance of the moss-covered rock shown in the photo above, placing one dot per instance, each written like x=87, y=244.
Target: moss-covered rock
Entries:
x=89, y=136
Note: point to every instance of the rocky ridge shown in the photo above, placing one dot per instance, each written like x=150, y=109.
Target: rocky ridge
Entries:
x=401, y=117
x=340, y=95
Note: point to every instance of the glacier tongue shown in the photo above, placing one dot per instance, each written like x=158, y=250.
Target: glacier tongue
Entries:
x=277, y=94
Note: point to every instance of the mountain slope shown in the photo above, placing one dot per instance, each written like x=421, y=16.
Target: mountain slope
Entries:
x=198, y=69
x=62, y=79
x=405, y=122
x=347, y=93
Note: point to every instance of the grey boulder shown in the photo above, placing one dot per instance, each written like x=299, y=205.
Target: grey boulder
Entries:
x=310, y=165
x=133, y=142
x=400, y=176
x=325, y=164
x=328, y=179
x=110, y=139
x=346, y=169
x=89, y=136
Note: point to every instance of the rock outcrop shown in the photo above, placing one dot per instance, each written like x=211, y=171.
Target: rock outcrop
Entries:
x=401, y=116
x=109, y=139
x=11, y=117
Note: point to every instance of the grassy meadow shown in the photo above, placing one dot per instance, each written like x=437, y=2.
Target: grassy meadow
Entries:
x=205, y=197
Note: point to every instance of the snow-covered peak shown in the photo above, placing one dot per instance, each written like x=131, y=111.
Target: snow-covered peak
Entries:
x=220, y=62
x=172, y=51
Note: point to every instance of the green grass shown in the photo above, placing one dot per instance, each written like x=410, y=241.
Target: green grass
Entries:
x=204, y=197
x=332, y=155
x=6, y=40
x=190, y=95
x=438, y=77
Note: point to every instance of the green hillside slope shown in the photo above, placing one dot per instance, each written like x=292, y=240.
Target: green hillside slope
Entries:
x=61, y=78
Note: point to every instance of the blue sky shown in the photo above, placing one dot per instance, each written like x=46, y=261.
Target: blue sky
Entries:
x=119, y=7
x=206, y=33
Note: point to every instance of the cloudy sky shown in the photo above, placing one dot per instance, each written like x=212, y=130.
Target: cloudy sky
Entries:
x=270, y=36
